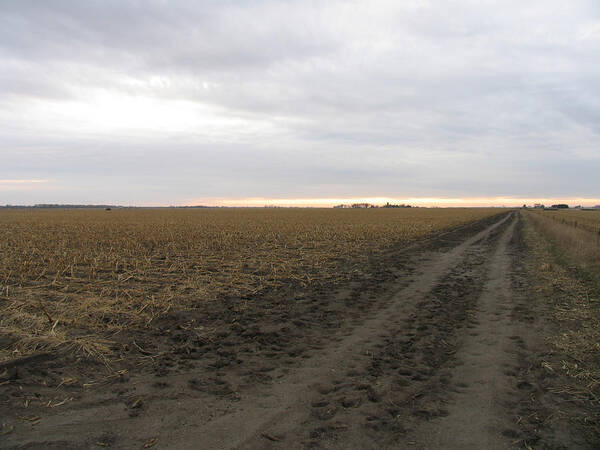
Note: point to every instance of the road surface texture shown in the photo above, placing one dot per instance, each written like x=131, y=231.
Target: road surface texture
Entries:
x=431, y=351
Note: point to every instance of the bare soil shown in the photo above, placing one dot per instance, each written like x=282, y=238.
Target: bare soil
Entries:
x=431, y=347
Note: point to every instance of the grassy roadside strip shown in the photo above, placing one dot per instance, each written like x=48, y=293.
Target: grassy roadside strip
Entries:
x=586, y=220
x=565, y=277
x=573, y=246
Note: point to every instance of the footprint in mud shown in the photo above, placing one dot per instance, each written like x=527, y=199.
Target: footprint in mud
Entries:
x=320, y=404
x=509, y=433
x=323, y=389
x=524, y=385
x=350, y=402
x=325, y=413
x=106, y=440
x=418, y=377
x=445, y=378
x=317, y=433
x=373, y=395
x=196, y=384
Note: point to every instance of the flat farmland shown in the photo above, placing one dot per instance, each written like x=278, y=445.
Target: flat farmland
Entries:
x=289, y=328
x=70, y=273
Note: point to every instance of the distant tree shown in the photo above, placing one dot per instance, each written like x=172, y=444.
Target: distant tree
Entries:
x=389, y=205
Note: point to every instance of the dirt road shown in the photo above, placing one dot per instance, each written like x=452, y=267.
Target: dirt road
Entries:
x=424, y=354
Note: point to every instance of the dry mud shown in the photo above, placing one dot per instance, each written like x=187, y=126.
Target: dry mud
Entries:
x=424, y=352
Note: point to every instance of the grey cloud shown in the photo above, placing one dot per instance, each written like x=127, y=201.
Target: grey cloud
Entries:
x=384, y=98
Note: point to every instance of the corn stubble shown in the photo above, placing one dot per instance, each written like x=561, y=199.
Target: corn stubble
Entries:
x=70, y=278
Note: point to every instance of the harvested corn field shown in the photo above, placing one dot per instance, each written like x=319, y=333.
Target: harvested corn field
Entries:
x=70, y=275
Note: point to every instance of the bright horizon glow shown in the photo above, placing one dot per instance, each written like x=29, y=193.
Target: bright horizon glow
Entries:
x=414, y=201
x=322, y=202
x=22, y=181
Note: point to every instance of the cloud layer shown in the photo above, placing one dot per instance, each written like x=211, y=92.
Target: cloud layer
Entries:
x=166, y=102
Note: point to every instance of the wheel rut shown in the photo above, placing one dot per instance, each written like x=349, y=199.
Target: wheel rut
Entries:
x=474, y=414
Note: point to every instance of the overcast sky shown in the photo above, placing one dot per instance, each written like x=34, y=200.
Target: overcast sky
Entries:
x=182, y=102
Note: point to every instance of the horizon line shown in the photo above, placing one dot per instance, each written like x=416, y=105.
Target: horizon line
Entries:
x=258, y=202
x=413, y=201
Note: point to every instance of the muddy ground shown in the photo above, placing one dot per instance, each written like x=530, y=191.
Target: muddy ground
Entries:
x=432, y=346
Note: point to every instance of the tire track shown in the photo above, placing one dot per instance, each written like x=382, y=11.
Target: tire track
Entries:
x=407, y=376
x=473, y=415
x=277, y=410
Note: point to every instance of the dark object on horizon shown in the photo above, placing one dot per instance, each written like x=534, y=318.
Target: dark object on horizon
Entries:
x=107, y=209
x=560, y=206
x=389, y=205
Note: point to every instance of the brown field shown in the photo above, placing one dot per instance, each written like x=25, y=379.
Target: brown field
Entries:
x=66, y=275
x=296, y=328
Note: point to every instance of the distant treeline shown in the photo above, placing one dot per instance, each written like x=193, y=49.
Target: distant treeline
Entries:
x=389, y=205
x=369, y=205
